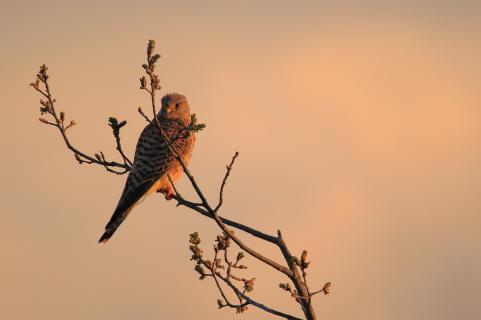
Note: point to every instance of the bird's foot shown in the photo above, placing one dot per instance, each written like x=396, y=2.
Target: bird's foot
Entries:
x=169, y=192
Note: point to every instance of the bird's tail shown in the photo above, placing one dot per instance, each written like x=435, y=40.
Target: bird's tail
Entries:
x=114, y=223
x=109, y=231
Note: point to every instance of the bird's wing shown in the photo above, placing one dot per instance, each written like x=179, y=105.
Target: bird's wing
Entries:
x=152, y=160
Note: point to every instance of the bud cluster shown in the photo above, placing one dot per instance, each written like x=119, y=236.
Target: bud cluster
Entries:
x=116, y=125
x=149, y=68
x=220, y=262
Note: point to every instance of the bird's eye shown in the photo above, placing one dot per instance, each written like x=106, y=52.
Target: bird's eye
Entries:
x=177, y=105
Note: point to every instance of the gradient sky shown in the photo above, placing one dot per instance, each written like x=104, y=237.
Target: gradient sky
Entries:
x=358, y=127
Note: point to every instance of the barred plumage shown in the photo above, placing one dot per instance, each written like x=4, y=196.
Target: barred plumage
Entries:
x=153, y=160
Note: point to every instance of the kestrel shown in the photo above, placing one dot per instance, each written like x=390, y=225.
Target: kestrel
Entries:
x=153, y=161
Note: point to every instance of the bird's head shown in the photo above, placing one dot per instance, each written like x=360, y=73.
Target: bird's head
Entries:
x=175, y=107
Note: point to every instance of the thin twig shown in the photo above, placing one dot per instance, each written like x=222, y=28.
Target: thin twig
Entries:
x=143, y=115
x=227, y=173
x=120, y=150
x=219, y=287
x=257, y=304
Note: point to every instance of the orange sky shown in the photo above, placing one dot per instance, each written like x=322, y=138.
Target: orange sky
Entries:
x=358, y=132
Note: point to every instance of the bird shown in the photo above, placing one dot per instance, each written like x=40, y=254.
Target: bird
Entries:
x=154, y=162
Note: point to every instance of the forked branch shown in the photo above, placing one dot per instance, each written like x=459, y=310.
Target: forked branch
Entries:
x=222, y=269
x=48, y=107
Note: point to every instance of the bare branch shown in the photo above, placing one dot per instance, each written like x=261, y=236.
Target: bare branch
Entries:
x=49, y=108
x=196, y=207
x=247, y=249
x=116, y=126
x=326, y=289
x=296, y=279
x=296, y=268
x=143, y=114
x=227, y=173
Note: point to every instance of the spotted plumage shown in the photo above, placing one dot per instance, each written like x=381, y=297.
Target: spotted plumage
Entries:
x=153, y=161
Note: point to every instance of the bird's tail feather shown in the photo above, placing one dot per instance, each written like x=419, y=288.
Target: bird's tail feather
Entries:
x=108, y=233
x=113, y=224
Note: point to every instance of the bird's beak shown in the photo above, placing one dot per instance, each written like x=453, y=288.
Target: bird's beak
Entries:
x=166, y=111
